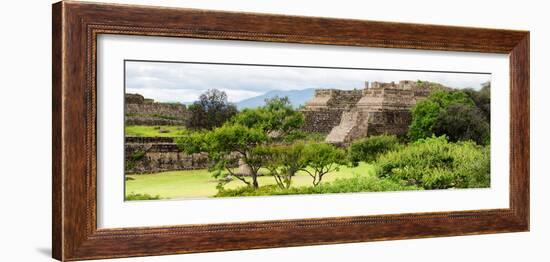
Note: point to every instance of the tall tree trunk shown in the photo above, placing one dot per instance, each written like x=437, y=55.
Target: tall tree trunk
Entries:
x=246, y=170
x=254, y=181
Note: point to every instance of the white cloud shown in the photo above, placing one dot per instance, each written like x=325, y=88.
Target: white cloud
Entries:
x=184, y=82
x=186, y=96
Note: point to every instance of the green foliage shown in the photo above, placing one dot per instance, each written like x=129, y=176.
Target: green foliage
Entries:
x=315, y=137
x=482, y=99
x=222, y=142
x=299, y=135
x=436, y=163
x=230, y=138
x=134, y=196
x=211, y=110
x=368, y=149
x=358, y=183
x=426, y=112
x=322, y=159
x=276, y=117
x=463, y=122
x=460, y=115
x=285, y=161
x=192, y=143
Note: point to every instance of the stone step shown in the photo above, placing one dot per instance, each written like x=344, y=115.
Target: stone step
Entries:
x=339, y=133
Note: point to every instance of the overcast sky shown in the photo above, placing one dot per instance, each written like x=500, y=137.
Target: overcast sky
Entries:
x=184, y=82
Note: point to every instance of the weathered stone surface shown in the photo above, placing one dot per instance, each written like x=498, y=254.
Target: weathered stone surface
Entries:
x=381, y=108
x=143, y=111
x=158, y=154
x=145, y=139
x=324, y=111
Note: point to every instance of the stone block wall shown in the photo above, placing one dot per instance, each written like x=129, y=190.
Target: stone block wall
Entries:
x=321, y=120
x=143, y=111
x=334, y=98
x=389, y=122
x=324, y=111
x=158, y=154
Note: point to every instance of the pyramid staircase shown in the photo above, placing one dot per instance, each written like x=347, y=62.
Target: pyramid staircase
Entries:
x=340, y=133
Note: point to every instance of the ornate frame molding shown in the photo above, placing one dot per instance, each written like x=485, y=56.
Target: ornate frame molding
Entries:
x=76, y=26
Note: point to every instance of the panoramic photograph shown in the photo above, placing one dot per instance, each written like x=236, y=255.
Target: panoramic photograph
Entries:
x=212, y=130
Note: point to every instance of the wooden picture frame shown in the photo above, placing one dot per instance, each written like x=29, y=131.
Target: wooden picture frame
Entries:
x=76, y=26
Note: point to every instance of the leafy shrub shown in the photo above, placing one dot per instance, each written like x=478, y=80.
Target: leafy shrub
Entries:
x=322, y=158
x=247, y=191
x=276, y=118
x=358, y=183
x=463, y=122
x=460, y=115
x=136, y=196
x=436, y=163
x=298, y=135
x=368, y=149
x=426, y=112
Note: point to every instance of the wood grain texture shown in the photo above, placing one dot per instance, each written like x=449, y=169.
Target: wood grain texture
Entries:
x=519, y=129
x=57, y=195
x=76, y=26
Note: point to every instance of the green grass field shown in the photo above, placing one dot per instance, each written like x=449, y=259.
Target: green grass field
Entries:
x=155, y=131
x=200, y=183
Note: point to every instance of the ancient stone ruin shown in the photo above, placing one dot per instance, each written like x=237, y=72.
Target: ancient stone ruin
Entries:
x=144, y=111
x=158, y=154
x=323, y=112
x=379, y=108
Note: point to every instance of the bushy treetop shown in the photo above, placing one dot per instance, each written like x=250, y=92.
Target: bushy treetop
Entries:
x=277, y=116
x=211, y=110
x=452, y=113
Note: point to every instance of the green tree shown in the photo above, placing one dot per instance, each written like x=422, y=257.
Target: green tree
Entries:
x=211, y=110
x=225, y=146
x=482, y=99
x=426, y=112
x=277, y=117
x=322, y=159
x=463, y=122
x=285, y=162
x=368, y=149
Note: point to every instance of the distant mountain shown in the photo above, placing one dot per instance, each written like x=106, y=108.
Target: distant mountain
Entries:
x=296, y=97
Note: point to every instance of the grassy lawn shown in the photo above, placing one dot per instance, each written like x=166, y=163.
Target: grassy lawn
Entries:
x=200, y=183
x=155, y=131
